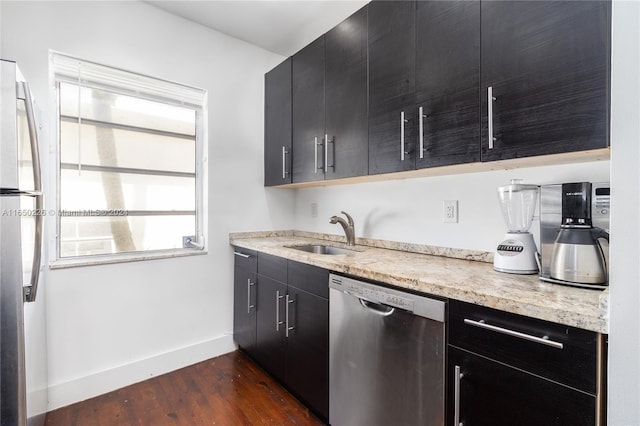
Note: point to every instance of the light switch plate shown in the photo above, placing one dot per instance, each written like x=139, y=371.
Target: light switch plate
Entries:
x=450, y=211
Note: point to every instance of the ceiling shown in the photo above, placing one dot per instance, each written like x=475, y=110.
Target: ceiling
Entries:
x=280, y=26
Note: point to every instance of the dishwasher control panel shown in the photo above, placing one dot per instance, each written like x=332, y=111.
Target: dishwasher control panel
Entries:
x=419, y=305
x=381, y=296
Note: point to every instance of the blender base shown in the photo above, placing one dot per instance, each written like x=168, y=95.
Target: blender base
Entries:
x=516, y=254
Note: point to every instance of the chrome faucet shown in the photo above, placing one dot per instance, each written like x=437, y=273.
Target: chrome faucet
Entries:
x=348, y=227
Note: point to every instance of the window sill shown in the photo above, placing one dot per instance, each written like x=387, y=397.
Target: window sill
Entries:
x=122, y=258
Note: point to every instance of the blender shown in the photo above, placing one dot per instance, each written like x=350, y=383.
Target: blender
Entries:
x=517, y=253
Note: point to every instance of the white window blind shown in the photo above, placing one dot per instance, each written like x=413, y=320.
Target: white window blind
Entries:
x=130, y=163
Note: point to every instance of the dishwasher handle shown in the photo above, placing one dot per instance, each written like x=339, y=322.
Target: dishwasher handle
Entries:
x=377, y=308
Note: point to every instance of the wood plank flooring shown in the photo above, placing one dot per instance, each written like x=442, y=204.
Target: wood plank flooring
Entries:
x=227, y=390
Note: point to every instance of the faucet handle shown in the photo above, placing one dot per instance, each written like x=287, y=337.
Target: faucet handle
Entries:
x=349, y=218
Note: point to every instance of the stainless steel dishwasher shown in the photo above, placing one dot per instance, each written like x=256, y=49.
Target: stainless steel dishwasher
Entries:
x=386, y=362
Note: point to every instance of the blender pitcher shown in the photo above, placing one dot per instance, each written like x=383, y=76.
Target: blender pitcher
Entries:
x=516, y=254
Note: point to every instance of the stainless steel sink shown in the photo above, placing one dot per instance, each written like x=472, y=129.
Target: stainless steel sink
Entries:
x=322, y=249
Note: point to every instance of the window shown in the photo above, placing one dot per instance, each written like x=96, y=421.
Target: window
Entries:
x=130, y=169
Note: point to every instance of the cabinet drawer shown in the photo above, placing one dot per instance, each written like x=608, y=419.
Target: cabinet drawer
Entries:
x=272, y=266
x=245, y=259
x=309, y=278
x=491, y=393
x=506, y=338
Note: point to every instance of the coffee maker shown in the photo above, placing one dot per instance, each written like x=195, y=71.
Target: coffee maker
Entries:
x=574, y=233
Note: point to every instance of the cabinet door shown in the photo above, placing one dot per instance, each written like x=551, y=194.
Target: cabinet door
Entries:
x=346, y=97
x=244, y=309
x=270, y=335
x=492, y=394
x=448, y=82
x=277, y=125
x=308, y=112
x=308, y=349
x=547, y=63
x=392, y=70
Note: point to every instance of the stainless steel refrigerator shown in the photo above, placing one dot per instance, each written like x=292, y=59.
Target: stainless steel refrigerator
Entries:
x=21, y=222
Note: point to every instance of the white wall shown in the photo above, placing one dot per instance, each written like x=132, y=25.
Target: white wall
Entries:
x=109, y=326
x=411, y=210
x=624, y=337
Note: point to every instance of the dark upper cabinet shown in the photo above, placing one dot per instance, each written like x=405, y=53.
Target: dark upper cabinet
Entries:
x=447, y=82
x=346, y=98
x=392, y=70
x=277, y=125
x=404, y=85
x=547, y=65
x=308, y=112
x=424, y=79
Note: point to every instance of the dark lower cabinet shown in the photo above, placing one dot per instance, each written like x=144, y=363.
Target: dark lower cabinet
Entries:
x=507, y=369
x=291, y=324
x=492, y=393
x=308, y=349
x=270, y=335
x=547, y=64
x=244, y=299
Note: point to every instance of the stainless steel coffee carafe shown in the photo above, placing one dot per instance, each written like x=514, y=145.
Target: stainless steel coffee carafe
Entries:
x=577, y=255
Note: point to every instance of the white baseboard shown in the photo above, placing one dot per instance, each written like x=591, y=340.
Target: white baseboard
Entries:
x=67, y=393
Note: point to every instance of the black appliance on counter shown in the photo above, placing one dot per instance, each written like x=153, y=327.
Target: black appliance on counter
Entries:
x=574, y=233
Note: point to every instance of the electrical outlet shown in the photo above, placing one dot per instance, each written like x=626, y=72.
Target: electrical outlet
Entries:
x=314, y=209
x=450, y=211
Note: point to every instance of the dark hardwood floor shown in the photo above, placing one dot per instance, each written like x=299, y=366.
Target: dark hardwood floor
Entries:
x=227, y=390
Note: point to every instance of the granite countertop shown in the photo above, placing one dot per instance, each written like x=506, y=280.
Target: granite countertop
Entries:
x=456, y=274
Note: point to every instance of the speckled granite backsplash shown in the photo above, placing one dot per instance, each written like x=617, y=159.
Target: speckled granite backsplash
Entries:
x=475, y=255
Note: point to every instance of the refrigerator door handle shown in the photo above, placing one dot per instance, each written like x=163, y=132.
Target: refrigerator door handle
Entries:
x=31, y=291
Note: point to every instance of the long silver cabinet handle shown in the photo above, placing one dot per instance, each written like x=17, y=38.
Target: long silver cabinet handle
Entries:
x=543, y=340
x=490, y=99
x=284, y=162
x=315, y=155
x=457, y=375
x=421, y=118
x=246, y=256
x=249, y=305
x=278, y=322
x=326, y=153
x=402, y=121
x=30, y=292
x=287, y=328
